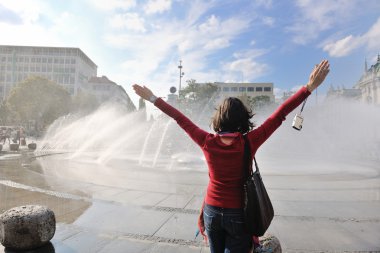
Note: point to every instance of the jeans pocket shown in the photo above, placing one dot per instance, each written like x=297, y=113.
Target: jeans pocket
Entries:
x=208, y=219
x=237, y=226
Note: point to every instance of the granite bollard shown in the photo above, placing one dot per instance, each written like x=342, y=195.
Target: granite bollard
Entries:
x=26, y=227
x=270, y=243
x=14, y=146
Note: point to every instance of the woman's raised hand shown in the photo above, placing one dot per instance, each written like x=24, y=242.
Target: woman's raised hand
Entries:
x=318, y=74
x=143, y=91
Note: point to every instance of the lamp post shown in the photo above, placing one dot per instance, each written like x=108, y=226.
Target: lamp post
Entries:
x=180, y=77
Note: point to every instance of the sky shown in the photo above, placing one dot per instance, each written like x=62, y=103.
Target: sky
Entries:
x=142, y=41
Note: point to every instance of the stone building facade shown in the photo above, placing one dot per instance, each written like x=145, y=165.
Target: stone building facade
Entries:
x=107, y=91
x=67, y=66
x=245, y=90
x=369, y=83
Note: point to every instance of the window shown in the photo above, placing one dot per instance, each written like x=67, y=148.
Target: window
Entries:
x=242, y=89
x=234, y=88
x=267, y=89
x=259, y=88
x=73, y=61
x=225, y=89
x=44, y=60
x=251, y=89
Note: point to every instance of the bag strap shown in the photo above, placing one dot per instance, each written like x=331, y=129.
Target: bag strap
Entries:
x=248, y=159
x=248, y=170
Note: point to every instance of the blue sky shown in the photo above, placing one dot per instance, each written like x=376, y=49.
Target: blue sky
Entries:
x=135, y=41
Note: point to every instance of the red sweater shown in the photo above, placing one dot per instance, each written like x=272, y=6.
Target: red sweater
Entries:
x=225, y=162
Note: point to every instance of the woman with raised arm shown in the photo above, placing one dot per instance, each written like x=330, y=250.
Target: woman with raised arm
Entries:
x=224, y=150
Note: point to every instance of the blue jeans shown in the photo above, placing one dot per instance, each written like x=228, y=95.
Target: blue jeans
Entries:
x=225, y=230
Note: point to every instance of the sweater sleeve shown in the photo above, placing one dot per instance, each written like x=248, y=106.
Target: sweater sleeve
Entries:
x=197, y=134
x=259, y=135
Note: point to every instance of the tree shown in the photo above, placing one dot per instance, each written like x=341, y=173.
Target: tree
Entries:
x=259, y=101
x=84, y=102
x=40, y=100
x=7, y=116
x=196, y=92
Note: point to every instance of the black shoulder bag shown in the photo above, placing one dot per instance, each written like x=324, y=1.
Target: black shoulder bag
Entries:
x=258, y=209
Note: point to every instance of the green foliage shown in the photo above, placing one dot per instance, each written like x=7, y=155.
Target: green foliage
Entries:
x=38, y=99
x=195, y=92
x=196, y=97
x=259, y=101
x=84, y=103
x=7, y=116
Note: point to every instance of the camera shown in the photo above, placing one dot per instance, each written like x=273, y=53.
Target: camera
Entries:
x=297, y=122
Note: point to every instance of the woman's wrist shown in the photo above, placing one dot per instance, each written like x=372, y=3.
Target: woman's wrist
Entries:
x=309, y=87
x=152, y=99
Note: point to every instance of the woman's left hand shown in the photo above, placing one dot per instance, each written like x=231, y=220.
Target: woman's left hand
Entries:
x=143, y=91
x=318, y=75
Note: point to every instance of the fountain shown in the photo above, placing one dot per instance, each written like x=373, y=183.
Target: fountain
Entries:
x=322, y=180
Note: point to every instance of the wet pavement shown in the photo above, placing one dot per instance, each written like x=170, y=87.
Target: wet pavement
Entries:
x=125, y=207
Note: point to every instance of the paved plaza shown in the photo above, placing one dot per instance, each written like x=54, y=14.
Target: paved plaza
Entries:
x=125, y=207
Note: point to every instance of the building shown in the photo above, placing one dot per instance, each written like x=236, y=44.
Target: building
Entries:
x=66, y=66
x=246, y=90
x=369, y=83
x=353, y=93
x=107, y=91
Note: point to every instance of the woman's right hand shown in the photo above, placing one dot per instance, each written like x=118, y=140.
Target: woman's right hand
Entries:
x=318, y=74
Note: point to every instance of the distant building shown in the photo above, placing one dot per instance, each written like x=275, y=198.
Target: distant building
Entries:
x=369, y=83
x=245, y=90
x=107, y=91
x=66, y=66
x=352, y=93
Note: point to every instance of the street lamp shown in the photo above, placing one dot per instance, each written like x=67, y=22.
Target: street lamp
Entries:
x=180, y=76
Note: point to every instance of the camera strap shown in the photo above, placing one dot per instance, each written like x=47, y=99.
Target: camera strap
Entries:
x=303, y=105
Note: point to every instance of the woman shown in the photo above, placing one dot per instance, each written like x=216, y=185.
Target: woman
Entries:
x=223, y=213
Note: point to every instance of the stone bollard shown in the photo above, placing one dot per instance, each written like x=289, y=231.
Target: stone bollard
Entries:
x=26, y=227
x=32, y=146
x=270, y=243
x=14, y=146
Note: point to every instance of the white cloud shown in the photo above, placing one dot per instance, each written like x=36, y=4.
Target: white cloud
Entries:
x=245, y=67
x=211, y=25
x=217, y=43
x=157, y=6
x=269, y=21
x=28, y=11
x=265, y=3
x=345, y=46
x=316, y=17
x=110, y=5
x=341, y=47
x=129, y=21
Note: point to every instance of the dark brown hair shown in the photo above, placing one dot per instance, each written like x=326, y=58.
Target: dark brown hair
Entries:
x=232, y=116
